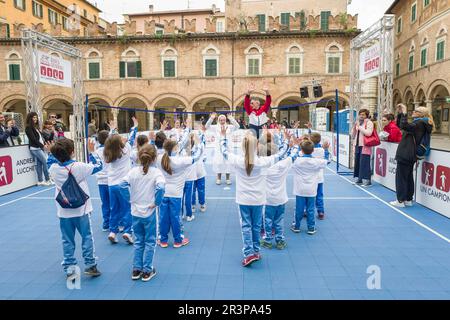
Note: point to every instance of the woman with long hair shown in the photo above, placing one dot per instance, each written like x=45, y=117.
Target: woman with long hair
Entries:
x=36, y=143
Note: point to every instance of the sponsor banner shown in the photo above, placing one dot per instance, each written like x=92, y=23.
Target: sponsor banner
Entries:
x=344, y=149
x=54, y=70
x=433, y=182
x=369, y=62
x=17, y=169
x=385, y=164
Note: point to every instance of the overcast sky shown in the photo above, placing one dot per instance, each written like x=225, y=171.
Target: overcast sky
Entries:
x=369, y=11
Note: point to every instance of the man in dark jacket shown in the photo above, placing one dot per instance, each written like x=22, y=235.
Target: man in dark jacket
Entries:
x=8, y=131
x=406, y=155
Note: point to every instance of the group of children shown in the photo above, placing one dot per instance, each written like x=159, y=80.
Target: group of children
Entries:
x=146, y=190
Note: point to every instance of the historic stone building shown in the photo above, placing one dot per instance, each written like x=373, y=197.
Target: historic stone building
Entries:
x=422, y=57
x=202, y=71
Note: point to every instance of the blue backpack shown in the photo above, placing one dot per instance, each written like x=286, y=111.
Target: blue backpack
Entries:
x=71, y=196
x=423, y=149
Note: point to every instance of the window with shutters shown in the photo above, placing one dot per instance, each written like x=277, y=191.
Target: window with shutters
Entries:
x=219, y=26
x=284, y=19
x=159, y=32
x=423, y=57
x=411, y=62
x=334, y=55
x=65, y=23
x=14, y=66
x=20, y=4
x=302, y=17
x=52, y=17
x=211, y=68
x=399, y=25
x=440, y=50
x=37, y=9
x=130, y=65
x=414, y=12
x=211, y=61
x=94, y=64
x=426, y=3
x=324, y=20
x=253, y=59
x=294, y=59
x=261, y=22
x=397, y=69
x=169, y=60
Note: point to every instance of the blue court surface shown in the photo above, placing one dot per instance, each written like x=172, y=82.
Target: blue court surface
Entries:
x=410, y=246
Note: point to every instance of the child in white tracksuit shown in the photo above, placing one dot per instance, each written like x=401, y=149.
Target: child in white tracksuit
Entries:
x=320, y=153
x=250, y=190
x=60, y=163
x=146, y=184
x=306, y=179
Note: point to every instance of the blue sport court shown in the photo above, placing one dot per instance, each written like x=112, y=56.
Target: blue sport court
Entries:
x=409, y=247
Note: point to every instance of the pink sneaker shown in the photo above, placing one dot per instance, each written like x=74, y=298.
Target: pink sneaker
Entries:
x=184, y=242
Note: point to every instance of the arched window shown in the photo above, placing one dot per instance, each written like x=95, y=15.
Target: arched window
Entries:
x=169, y=62
x=130, y=64
x=334, y=53
x=441, y=38
x=94, y=64
x=294, y=59
x=253, y=60
x=14, y=66
x=211, y=61
x=424, y=52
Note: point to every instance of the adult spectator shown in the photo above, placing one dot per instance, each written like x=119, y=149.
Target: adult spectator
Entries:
x=406, y=155
x=37, y=147
x=391, y=132
x=58, y=124
x=92, y=128
x=8, y=131
x=363, y=128
x=48, y=132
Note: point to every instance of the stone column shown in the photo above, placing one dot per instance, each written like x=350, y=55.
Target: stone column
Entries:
x=150, y=120
x=312, y=114
x=429, y=105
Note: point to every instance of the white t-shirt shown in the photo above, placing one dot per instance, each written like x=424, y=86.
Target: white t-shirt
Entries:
x=201, y=172
x=319, y=153
x=80, y=171
x=251, y=190
x=142, y=189
x=118, y=169
x=134, y=157
x=276, y=193
x=306, y=178
x=102, y=176
x=175, y=182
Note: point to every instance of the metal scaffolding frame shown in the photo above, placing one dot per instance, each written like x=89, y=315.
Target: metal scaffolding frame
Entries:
x=32, y=41
x=381, y=32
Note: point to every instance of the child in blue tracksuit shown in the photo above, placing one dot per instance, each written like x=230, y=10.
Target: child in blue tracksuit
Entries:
x=117, y=155
x=60, y=163
x=102, y=179
x=200, y=186
x=174, y=169
x=191, y=177
x=146, y=183
x=250, y=190
x=276, y=193
x=321, y=153
x=306, y=180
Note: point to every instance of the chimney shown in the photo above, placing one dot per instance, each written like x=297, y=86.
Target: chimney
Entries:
x=151, y=8
x=214, y=8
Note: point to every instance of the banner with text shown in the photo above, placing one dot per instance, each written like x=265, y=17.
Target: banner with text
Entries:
x=54, y=70
x=369, y=62
x=17, y=169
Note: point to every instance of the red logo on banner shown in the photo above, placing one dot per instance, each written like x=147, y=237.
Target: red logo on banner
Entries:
x=6, y=171
x=443, y=178
x=427, y=173
x=334, y=146
x=380, y=162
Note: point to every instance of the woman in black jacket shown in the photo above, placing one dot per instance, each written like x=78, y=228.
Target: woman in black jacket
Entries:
x=37, y=145
x=406, y=155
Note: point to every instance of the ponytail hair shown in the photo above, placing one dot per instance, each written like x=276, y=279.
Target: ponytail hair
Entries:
x=426, y=114
x=168, y=146
x=147, y=156
x=249, y=148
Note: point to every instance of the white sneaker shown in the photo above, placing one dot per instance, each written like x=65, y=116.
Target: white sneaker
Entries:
x=218, y=181
x=112, y=237
x=228, y=182
x=48, y=183
x=40, y=184
x=128, y=238
x=193, y=208
x=191, y=218
x=397, y=204
x=408, y=203
x=203, y=208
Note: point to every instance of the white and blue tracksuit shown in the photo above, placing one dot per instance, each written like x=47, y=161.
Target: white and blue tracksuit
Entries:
x=170, y=209
x=146, y=194
x=251, y=194
x=320, y=153
x=120, y=212
x=71, y=220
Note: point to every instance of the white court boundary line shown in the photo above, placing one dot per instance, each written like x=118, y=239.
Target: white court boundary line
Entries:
x=222, y=198
x=398, y=210
x=25, y=197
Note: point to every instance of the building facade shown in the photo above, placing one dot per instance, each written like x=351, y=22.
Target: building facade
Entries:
x=57, y=18
x=201, y=71
x=422, y=57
